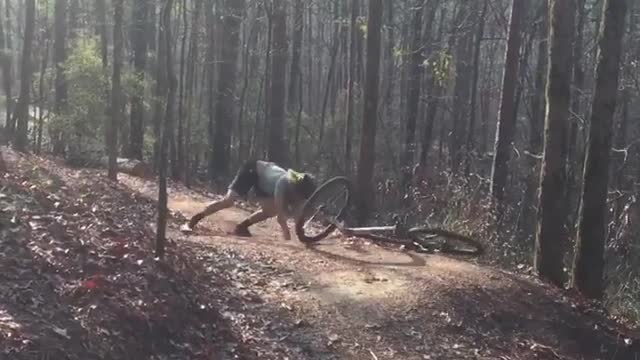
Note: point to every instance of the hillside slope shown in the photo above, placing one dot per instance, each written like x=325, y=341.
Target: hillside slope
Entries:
x=78, y=281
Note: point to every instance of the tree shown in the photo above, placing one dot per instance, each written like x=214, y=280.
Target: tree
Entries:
x=348, y=142
x=588, y=265
x=461, y=42
x=277, y=150
x=506, y=118
x=298, y=23
x=470, y=146
x=413, y=84
x=226, y=85
x=552, y=211
x=536, y=124
x=22, y=112
x=139, y=42
x=59, y=58
x=101, y=29
x=366, y=161
x=116, y=91
x=5, y=64
x=167, y=128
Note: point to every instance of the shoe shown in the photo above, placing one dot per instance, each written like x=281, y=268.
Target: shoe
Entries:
x=242, y=231
x=186, y=228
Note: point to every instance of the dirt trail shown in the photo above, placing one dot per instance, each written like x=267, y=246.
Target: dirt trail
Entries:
x=79, y=281
x=348, y=299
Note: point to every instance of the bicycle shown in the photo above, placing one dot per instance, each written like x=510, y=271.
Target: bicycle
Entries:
x=420, y=238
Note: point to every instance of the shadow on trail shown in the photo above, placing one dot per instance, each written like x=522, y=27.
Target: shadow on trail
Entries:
x=524, y=317
x=414, y=260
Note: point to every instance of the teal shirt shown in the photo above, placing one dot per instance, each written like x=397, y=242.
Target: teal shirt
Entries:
x=278, y=183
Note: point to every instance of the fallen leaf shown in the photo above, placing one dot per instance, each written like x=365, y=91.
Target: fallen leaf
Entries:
x=61, y=332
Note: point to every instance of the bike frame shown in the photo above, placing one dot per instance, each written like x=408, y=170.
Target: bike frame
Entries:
x=398, y=229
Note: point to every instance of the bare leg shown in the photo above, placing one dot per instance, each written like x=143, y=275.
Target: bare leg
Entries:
x=225, y=202
x=282, y=221
x=242, y=229
x=269, y=206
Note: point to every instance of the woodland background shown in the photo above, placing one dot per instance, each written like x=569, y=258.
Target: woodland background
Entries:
x=445, y=110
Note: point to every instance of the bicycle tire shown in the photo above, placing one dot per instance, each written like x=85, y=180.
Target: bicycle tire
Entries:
x=320, y=194
x=416, y=234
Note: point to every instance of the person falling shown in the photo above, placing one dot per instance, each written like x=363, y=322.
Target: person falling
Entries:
x=280, y=193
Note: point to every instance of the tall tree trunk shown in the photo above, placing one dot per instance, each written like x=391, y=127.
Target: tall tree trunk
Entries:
x=551, y=235
x=42, y=99
x=60, y=57
x=22, y=113
x=5, y=63
x=296, y=69
x=588, y=266
x=348, y=141
x=249, y=67
x=210, y=69
x=178, y=167
x=101, y=10
x=139, y=43
x=536, y=125
x=192, y=70
x=151, y=26
x=264, y=134
x=470, y=146
x=413, y=93
x=277, y=144
x=575, y=152
x=506, y=120
x=159, y=94
x=327, y=88
x=167, y=131
x=462, y=41
x=434, y=92
x=366, y=162
x=226, y=85
x=116, y=90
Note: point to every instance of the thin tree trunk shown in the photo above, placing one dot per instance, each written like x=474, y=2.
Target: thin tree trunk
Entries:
x=22, y=113
x=139, y=42
x=325, y=98
x=348, y=141
x=462, y=89
x=226, y=86
x=60, y=57
x=434, y=92
x=250, y=41
x=413, y=93
x=5, y=63
x=588, y=265
x=167, y=133
x=191, y=87
x=116, y=92
x=470, y=147
x=536, y=125
x=365, y=175
x=506, y=121
x=278, y=151
x=41, y=95
x=575, y=154
x=551, y=235
x=101, y=10
x=298, y=26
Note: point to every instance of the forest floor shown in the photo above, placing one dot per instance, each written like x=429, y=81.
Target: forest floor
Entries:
x=78, y=280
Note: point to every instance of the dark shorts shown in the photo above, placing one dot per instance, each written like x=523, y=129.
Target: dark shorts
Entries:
x=246, y=179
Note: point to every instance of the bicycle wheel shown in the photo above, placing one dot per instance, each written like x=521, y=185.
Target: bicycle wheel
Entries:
x=445, y=241
x=326, y=206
